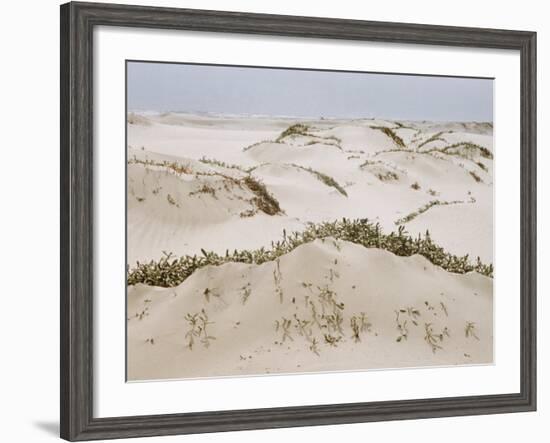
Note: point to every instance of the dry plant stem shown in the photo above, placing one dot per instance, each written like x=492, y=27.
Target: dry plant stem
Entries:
x=431, y=338
x=470, y=330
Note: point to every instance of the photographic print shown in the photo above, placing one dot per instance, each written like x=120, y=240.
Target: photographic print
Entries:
x=299, y=221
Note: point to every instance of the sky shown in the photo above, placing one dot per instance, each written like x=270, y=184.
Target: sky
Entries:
x=179, y=87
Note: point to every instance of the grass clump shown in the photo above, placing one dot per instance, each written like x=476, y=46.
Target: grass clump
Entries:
x=264, y=201
x=370, y=163
x=326, y=179
x=391, y=134
x=169, y=271
x=401, y=326
x=171, y=200
x=467, y=149
x=387, y=176
x=433, y=192
x=246, y=291
x=380, y=170
x=424, y=208
x=222, y=164
x=415, y=186
x=433, y=138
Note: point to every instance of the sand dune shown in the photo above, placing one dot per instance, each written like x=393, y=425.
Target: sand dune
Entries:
x=199, y=183
x=269, y=318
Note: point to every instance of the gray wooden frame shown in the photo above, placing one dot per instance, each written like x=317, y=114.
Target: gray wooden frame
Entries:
x=77, y=23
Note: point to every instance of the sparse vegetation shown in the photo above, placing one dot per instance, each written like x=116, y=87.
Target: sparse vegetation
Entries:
x=381, y=170
x=197, y=324
x=310, y=314
x=326, y=179
x=176, y=167
x=433, y=193
x=332, y=340
x=444, y=308
x=210, y=293
x=390, y=133
x=422, y=209
x=304, y=130
x=136, y=119
x=359, y=324
x=253, y=145
x=263, y=200
x=222, y=164
x=403, y=126
x=246, y=290
x=169, y=271
x=284, y=325
x=433, y=138
x=205, y=189
x=470, y=330
x=401, y=326
x=215, y=162
x=467, y=150
x=326, y=320
x=293, y=130
x=432, y=338
x=411, y=312
x=476, y=177
x=277, y=278
x=482, y=166
x=387, y=176
x=171, y=200
x=247, y=213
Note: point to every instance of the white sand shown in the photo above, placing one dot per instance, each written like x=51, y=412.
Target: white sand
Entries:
x=170, y=211
x=372, y=281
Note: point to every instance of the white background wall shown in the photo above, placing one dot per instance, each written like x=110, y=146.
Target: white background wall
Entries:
x=29, y=265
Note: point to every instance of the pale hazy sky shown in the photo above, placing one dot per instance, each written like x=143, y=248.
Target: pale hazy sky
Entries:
x=299, y=93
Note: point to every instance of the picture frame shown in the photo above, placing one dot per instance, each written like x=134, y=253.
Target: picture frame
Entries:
x=78, y=21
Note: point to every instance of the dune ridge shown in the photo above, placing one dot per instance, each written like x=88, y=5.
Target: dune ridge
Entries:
x=351, y=308
x=261, y=245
